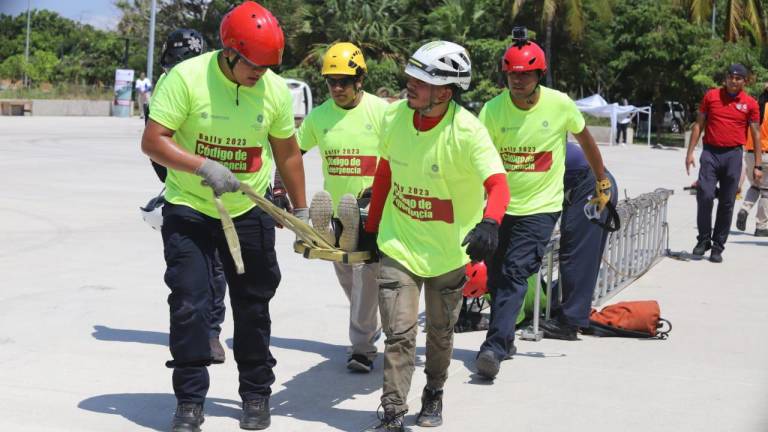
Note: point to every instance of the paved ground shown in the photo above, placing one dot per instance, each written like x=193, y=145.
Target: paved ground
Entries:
x=83, y=318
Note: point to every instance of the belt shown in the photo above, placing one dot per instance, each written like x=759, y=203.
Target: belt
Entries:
x=720, y=149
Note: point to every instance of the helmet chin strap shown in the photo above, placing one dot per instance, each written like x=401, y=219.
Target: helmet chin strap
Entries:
x=428, y=109
x=232, y=63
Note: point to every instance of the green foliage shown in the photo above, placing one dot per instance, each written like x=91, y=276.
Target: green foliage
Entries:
x=42, y=65
x=384, y=73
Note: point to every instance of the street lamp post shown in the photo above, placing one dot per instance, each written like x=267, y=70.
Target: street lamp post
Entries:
x=151, y=47
x=26, y=47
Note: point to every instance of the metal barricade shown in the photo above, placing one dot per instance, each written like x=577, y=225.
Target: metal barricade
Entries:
x=629, y=252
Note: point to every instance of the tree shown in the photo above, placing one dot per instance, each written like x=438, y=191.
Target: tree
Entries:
x=573, y=12
x=743, y=17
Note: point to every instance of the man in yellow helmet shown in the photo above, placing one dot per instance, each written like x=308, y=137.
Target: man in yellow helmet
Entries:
x=346, y=131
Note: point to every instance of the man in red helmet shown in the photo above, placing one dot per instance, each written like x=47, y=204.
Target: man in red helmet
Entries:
x=224, y=117
x=528, y=124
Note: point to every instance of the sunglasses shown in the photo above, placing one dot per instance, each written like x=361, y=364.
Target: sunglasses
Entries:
x=343, y=82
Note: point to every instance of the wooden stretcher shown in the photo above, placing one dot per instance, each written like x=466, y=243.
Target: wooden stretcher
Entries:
x=309, y=243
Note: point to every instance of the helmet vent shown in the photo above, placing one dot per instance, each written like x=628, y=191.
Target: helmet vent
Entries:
x=532, y=60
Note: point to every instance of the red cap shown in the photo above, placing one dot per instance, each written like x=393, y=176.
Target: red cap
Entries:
x=477, y=280
x=524, y=57
x=254, y=33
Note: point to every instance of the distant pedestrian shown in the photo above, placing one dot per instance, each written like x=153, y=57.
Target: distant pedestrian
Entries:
x=623, y=124
x=143, y=93
x=726, y=115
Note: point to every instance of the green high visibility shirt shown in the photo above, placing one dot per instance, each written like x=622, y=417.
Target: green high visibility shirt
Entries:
x=348, y=140
x=213, y=117
x=532, y=146
x=437, y=193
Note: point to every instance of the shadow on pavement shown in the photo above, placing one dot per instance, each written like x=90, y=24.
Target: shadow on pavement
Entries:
x=105, y=333
x=755, y=242
x=315, y=394
x=153, y=410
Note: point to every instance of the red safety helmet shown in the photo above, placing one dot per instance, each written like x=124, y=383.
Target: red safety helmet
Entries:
x=254, y=33
x=477, y=280
x=524, y=56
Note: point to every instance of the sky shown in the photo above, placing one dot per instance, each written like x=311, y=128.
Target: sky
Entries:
x=101, y=14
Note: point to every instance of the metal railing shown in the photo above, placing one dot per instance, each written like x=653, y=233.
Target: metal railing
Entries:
x=629, y=253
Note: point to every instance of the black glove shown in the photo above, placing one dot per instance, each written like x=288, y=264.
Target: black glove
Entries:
x=364, y=197
x=280, y=199
x=367, y=242
x=482, y=240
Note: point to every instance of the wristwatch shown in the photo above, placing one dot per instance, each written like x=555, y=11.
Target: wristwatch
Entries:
x=759, y=168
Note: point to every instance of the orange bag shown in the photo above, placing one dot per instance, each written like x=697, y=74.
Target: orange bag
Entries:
x=640, y=319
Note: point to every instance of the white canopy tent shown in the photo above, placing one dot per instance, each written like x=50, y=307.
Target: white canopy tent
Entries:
x=597, y=106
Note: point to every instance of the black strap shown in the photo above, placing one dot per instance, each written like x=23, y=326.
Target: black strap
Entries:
x=613, y=222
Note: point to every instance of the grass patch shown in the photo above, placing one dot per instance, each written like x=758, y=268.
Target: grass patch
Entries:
x=665, y=139
x=60, y=91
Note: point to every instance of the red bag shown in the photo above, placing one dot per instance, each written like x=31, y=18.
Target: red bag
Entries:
x=639, y=319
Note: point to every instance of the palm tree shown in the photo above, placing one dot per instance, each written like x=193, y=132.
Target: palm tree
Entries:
x=743, y=17
x=381, y=27
x=573, y=11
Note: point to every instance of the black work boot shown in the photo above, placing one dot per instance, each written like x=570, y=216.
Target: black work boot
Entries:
x=255, y=414
x=701, y=247
x=716, y=256
x=359, y=363
x=487, y=364
x=217, y=351
x=431, y=413
x=741, y=220
x=188, y=417
x=392, y=421
x=554, y=329
x=511, y=352
x=761, y=232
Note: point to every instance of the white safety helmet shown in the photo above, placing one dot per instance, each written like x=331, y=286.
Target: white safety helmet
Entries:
x=152, y=213
x=441, y=63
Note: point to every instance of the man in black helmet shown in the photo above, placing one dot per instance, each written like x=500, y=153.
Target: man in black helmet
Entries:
x=182, y=44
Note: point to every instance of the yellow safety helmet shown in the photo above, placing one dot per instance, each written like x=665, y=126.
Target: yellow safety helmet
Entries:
x=344, y=58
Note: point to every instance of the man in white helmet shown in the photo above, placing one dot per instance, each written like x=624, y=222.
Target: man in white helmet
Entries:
x=435, y=158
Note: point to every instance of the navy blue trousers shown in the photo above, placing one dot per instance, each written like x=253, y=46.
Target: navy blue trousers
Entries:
x=717, y=165
x=192, y=241
x=581, y=249
x=522, y=242
x=218, y=291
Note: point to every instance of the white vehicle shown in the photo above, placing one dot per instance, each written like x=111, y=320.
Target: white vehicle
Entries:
x=302, y=98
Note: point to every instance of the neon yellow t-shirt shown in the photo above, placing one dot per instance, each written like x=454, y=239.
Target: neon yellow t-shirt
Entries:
x=199, y=103
x=437, y=190
x=348, y=141
x=157, y=86
x=532, y=146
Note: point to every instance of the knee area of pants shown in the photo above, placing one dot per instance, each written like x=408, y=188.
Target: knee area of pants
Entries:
x=515, y=275
x=187, y=312
x=401, y=337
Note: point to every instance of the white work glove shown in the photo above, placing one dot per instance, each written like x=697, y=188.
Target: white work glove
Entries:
x=218, y=177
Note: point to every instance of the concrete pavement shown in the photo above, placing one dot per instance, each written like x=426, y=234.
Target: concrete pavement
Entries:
x=84, y=321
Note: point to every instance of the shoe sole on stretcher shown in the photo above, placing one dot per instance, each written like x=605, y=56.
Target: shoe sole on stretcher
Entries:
x=349, y=215
x=320, y=213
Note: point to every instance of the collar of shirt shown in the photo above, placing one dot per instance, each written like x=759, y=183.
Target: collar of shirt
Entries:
x=736, y=98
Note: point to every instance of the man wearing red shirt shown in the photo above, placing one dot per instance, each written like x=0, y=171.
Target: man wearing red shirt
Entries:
x=726, y=114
